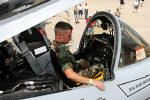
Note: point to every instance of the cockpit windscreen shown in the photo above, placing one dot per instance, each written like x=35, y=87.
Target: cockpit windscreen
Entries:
x=9, y=8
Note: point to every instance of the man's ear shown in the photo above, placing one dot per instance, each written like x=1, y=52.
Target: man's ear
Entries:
x=68, y=31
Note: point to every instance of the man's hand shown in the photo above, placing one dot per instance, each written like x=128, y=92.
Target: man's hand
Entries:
x=70, y=74
x=99, y=84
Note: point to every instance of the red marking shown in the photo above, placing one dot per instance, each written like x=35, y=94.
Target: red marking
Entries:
x=139, y=48
x=41, y=31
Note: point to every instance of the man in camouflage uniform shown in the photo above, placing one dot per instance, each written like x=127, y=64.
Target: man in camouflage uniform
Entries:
x=63, y=32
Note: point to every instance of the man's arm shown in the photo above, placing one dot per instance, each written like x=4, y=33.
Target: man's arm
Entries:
x=70, y=74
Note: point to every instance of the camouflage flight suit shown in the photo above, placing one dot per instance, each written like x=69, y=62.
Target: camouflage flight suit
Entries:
x=67, y=60
x=64, y=56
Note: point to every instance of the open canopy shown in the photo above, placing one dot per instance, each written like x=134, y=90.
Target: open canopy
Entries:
x=31, y=17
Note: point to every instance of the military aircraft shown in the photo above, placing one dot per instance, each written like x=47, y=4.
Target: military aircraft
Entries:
x=29, y=69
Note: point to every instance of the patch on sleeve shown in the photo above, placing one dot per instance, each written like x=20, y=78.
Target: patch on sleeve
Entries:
x=66, y=66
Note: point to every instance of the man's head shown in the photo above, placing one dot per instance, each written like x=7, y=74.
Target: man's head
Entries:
x=63, y=32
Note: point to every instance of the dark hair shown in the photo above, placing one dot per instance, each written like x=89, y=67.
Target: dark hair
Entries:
x=63, y=26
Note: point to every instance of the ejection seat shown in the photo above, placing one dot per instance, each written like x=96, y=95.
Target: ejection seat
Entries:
x=34, y=47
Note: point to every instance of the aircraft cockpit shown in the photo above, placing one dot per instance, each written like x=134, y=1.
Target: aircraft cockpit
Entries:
x=97, y=45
